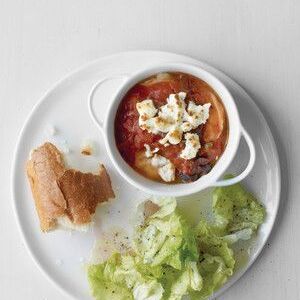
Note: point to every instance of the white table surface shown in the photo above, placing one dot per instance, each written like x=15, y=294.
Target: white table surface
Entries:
x=256, y=42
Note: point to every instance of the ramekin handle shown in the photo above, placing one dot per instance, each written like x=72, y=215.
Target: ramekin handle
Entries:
x=248, y=169
x=93, y=115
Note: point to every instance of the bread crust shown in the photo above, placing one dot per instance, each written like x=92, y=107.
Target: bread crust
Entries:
x=83, y=192
x=58, y=191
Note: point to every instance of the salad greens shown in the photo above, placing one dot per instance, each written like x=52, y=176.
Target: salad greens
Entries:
x=166, y=238
x=170, y=259
x=236, y=209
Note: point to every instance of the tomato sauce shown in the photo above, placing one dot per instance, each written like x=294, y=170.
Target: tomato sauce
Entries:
x=130, y=138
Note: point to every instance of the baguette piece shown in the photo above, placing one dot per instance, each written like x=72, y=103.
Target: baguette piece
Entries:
x=64, y=197
x=83, y=192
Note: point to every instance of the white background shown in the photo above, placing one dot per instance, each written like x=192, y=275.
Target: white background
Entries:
x=256, y=42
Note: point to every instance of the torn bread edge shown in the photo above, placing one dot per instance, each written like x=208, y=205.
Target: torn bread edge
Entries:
x=65, y=198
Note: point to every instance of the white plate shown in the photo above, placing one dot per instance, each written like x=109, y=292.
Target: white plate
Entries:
x=60, y=254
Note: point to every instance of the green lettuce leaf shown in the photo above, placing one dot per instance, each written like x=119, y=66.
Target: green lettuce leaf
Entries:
x=216, y=261
x=236, y=209
x=124, y=277
x=188, y=281
x=103, y=283
x=244, y=234
x=177, y=283
x=151, y=290
x=167, y=206
x=165, y=238
x=210, y=243
x=214, y=273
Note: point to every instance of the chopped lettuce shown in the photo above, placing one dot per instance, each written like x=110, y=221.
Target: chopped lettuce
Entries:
x=165, y=238
x=210, y=243
x=187, y=281
x=151, y=290
x=244, y=234
x=236, y=209
x=169, y=259
x=104, y=284
x=167, y=206
x=215, y=273
x=124, y=277
x=216, y=261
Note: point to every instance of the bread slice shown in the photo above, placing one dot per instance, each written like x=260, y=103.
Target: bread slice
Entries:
x=64, y=197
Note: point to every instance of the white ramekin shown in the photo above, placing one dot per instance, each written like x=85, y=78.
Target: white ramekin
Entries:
x=161, y=189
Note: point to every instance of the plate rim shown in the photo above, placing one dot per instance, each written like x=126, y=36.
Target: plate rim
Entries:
x=86, y=66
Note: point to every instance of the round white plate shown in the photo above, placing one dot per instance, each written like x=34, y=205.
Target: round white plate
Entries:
x=61, y=255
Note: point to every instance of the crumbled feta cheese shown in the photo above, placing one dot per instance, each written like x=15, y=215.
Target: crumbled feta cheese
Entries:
x=174, y=119
x=159, y=161
x=172, y=116
x=146, y=108
x=147, y=111
x=174, y=109
x=174, y=137
x=149, y=125
x=148, y=152
x=166, y=169
x=192, y=145
x=197, y=114
x=167, y=172
x=186, y=126
x=169, y=115
x=161, y=124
